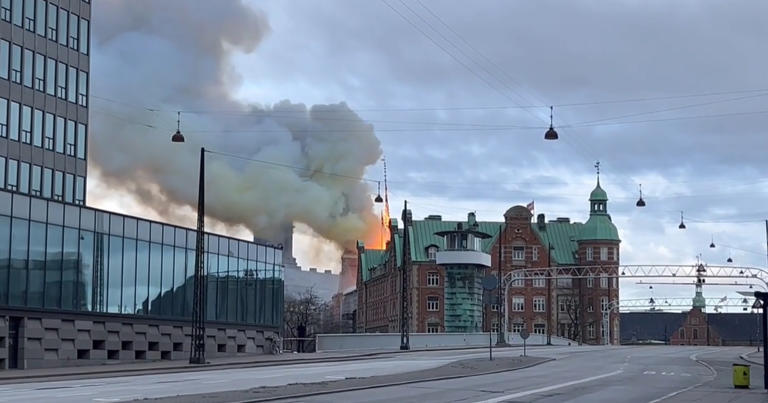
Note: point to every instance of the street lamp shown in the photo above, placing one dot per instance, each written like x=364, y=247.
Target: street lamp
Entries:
x=640, y=201
x=197, y=347
x=682, y=224
x=378, y=198
x=712, y=244
x=551, y=133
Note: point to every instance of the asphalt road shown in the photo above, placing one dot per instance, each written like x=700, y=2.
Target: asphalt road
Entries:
x=580, y=374
x=632, y=374
x=184, y=383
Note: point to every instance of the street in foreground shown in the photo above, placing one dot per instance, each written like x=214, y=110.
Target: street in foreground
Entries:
x=578, y=374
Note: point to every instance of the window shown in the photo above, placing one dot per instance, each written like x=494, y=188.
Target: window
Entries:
x=50, y=76
x=53, y=13
x=495, y=326
x=40, y=23
x=72, y=85
x=591, y=331
x=14, y=126
x=518, y=253
x=603, y=304
x=81, y=141
x=682, y=333
x=84, y=36
x=433, y=328
x=73, y=31
x=80, y=190
x=39, y=72
x=518, y=303
x=603, y=280
x=615, y=254
x=24, y=177
x=590, y=305
x=47, y=182
x=3, y=117
x=2, y=172
x=517, y=327
x=535, y=253
x=82, y=89
x=13, y=175
x=432, y=253
x=433, y=304
x=61, y=81
x=16, y=64
x=29, y=62
x=590, y=282
x=63, y=16
x=603, y=253
x=17, y=9
x=433, y=279
x=539, y=328
x=29, y=15
x=590, y=256
x=71, y=137
x=539, y=281
x=494, y=307
x=5, y=49
x=695, y=333
x=58, y=185
x=518, y=279
x=563, y=304
x=26, y=124
x=69, y=188
x=539, y=304
x=37, y=173
x=48, y=131
x=615, y=281
x=59, y=129
x=5, y=10
x=37, y=128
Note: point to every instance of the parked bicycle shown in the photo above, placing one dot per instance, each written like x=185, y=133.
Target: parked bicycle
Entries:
x=275, y=345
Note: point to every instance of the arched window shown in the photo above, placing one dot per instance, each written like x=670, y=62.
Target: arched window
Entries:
x=682, y=333
x=432, y=252
x=695, y=333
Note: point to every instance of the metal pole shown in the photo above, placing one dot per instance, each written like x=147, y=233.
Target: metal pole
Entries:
x=490, y=346
x=404, y=300
x=197, y=348
x=763, y=297
x=500, y=340
x=549, y=295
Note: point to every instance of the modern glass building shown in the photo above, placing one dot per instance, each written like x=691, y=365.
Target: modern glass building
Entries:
x=61, y=260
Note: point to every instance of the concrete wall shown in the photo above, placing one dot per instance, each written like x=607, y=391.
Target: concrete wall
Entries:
x=46, y=342
x=391, y=341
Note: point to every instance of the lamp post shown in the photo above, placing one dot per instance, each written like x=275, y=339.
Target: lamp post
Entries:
x=500, y=339
x=549, y=296
x=197, y=345
x=763, y=298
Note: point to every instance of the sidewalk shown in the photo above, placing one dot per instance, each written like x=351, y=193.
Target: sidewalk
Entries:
x=755, y=357
x=145, y=368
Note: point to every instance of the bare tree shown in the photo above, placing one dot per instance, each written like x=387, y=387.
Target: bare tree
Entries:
x=305, y=309
x=573, y=309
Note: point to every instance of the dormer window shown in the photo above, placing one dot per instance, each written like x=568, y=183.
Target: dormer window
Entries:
x=432, y=252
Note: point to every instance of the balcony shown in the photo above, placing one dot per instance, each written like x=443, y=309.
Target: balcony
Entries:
x=463, y=256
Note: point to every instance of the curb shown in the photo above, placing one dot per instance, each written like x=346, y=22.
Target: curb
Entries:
x=746, y=358
x=112, y=373
x=386, y=385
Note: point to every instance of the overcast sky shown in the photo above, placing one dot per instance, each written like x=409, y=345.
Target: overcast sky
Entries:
x=673, y=95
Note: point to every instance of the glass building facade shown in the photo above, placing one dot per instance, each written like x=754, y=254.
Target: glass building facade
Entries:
x=65, y=257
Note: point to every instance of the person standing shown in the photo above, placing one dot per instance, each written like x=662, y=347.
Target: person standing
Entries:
x=301, y=333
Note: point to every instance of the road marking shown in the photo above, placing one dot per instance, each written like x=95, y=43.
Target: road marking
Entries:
x=692, y=357
x=649, y=373
x=684, y=374
x=335, y=377
x=548, y=388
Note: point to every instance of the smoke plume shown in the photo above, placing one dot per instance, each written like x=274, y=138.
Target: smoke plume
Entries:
x=152, y=58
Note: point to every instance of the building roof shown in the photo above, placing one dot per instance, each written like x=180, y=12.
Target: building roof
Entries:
x=735, y=326
x=563, y=236
x=650, y=326
x=599, y=227
x=598, y=194
x=371, y=258
x=423, y=235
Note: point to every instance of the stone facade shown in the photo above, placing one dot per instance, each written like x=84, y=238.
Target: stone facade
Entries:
x=695, y=331
x=46, y=340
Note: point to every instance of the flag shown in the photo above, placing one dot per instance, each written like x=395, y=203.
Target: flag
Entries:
x=529, y=206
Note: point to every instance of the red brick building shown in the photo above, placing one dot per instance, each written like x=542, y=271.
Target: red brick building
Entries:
x=566, y=307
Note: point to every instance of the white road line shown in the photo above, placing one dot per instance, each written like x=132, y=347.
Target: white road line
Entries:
x=693, y=357
x=649, y=373
x=548, y=388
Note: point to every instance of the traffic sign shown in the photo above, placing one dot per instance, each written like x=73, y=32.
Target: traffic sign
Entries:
x=524, y=334
x=490, y=282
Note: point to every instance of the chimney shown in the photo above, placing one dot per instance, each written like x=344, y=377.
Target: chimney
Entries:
x=433, y=217
x=564, y=220
x=541, y=222
x=348, y=274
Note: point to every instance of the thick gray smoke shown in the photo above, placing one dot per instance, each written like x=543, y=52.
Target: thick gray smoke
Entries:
x=151, y=58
